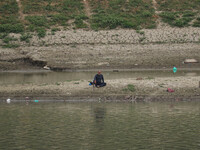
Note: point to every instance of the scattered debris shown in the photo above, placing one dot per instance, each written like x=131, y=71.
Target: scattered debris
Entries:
x=170, y=90
x=8, y=100
x=187, y=61
x=46, y=67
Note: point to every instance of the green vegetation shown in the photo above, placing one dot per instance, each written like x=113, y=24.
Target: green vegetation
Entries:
x=178, y=19
x=178, y=5
x=130, y=87
x=53, y=12
x=53, y=15
x=9, y=22
x=111, y=14
x=26, y=37
x=197, y=22
x=8, y=41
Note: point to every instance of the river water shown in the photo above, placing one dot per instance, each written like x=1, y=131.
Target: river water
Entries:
x=100, y=126
x=53, y=77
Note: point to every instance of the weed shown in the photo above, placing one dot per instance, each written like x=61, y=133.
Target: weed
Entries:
x=26, y=37
x=38, y=21
x=3, y=35
x=7, y=39
x=130, y=87
x=41, y=32
x=12, y=28
x=197, y=22
x=11, y=45
x=58, y=83
x=178, y=5
x=178, y=19
x=55, y=29
x=118, y=13
x=150, y=78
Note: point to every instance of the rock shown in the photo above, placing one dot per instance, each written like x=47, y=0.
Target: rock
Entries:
x=46, y=67
x=103, y=63
x=127, y=97
x=186, y=61
x=8, y=100
x=115, y=70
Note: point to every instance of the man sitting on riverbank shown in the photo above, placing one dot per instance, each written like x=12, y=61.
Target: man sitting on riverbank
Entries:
x=99, y=80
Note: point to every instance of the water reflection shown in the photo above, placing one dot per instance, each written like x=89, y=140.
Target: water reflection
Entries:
x=97, y=126
x=99, y=116
x=53, y=77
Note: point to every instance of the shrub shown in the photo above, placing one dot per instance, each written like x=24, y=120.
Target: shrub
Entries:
x=12, y=28
x=178, y=19
x=11, y=46
x=7, y=39
x=9, y=7
x=196, y=24
x=37, y=20
x=3, y=35
x=41, y=32
x=59, y=19
x=130, y=87
x=182, y=22
x=25, y=37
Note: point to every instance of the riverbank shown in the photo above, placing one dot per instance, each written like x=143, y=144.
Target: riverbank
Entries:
x=107, y=49
x=131, y=89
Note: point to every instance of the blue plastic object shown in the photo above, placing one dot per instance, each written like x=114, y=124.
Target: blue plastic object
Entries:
x=90, y=84
x=174, y=69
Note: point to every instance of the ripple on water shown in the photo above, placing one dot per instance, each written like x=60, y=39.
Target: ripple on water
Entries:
x=100, y=126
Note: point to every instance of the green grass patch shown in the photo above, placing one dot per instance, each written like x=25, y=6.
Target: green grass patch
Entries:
x=9, y=21
x=10, y=45
x=40, y=6
x=130, y=87
x=8, y=7
x=111, y=14
x=26, y=37
x=12, y=28
x=178, y=5
x=8, y=39
x=197, y=22
x=178, y=19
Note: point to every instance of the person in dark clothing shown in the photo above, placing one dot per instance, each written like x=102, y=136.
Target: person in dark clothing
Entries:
x=99, y=80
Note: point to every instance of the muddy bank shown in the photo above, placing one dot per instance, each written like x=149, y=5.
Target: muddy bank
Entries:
x=112, y=49
x=145, y=89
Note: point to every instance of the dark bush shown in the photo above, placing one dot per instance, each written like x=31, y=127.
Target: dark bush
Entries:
x=12, y=28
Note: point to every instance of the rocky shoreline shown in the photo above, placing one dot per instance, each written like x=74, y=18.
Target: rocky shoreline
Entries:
x=186, y=89
x=108, y=49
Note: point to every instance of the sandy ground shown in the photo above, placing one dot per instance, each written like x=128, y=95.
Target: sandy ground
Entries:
x=146, y=89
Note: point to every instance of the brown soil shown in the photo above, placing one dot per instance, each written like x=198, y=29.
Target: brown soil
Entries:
x=20, y=10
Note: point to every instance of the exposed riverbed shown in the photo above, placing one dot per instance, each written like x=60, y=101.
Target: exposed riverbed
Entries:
x=146, y=85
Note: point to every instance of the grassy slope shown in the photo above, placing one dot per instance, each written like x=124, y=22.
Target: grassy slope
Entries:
x=40, y=15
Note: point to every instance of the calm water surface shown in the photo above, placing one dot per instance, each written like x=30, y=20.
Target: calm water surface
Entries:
x=100, y=126
x=53, y=77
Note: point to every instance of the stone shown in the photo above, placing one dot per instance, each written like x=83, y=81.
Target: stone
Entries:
x=190, y=61
x=46, y=67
